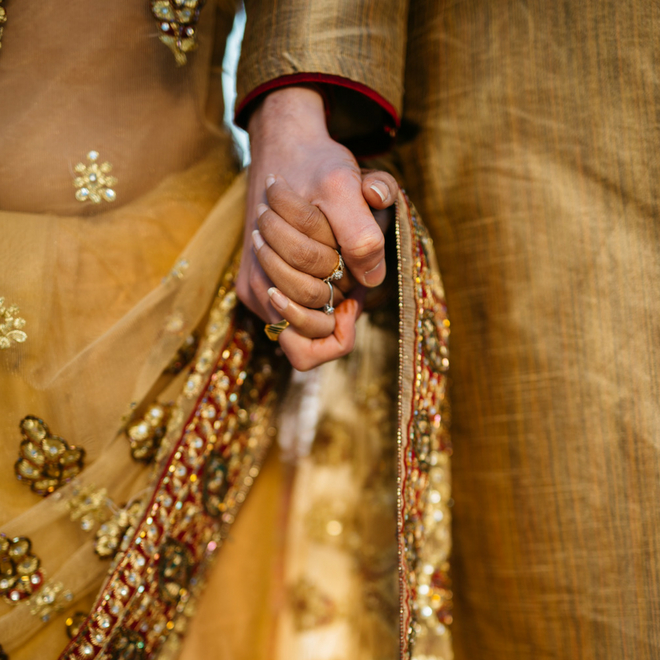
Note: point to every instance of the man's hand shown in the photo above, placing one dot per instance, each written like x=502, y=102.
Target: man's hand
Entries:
x=289, y=137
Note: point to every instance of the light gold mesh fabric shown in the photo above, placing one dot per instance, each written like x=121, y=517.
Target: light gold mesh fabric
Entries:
x=103, y=318
x=76, y=77
x=537, y=168
x=92, y=350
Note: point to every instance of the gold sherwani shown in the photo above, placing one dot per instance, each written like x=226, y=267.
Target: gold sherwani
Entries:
x=530, y=142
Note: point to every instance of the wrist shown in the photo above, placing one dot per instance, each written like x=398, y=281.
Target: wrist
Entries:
x=296, y=110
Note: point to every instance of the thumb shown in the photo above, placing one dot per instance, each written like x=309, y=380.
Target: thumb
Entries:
x=357, y=232
x=380, y=189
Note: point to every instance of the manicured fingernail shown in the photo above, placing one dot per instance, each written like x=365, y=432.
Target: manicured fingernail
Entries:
x=381, y=190
x=279, y=300
x=258, y=240
x=368, y=280
x=261, y=209
x=270, y=180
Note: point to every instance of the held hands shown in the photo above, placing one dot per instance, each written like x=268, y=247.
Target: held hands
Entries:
x=295, y=247
x=317, y=178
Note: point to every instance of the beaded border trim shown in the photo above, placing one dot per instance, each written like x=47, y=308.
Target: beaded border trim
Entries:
x=424, y=446
x=149, y=595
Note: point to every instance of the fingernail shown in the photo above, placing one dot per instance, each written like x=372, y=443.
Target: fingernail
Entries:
x=261, y=209
x=369, y=280
x=279, y=300
x=270, y=180
x=381, y=190
x=258, y=240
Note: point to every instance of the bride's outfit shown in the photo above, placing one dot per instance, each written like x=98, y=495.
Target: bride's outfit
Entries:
x=139, y=401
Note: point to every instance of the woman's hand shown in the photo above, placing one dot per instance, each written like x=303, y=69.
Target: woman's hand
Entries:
x=297, y=250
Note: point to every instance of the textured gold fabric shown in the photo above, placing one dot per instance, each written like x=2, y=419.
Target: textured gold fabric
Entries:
x=363, y=41
x=537, y=167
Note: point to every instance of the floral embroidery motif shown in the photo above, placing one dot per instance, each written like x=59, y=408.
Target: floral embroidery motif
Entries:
x=174, y=570
x=177, y=22
x=94, y=182
x=146, y=433
x=3, y=20
x=111, y=532
x=126, y=645
x=51, y=599
x=215, y=486
x=46, y=461
x=11, y=325
x=20, y=576
x=88, y=505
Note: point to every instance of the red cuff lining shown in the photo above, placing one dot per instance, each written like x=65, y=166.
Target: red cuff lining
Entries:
x=284, y=81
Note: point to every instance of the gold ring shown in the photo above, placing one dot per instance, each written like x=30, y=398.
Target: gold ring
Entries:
x=274, y=330
x=338, y=271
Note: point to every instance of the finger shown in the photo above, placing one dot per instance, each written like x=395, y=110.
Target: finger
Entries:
x=301, y=288
x=380, y=189
x=361, y=240
x=308, y=322
x=305, y=354
x=305, y=217
x=259, y=284
x=299, y=251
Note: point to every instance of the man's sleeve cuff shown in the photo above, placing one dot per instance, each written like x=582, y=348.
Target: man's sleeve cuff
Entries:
x=357, y=115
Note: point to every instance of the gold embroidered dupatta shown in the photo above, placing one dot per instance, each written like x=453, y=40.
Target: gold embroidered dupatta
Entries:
x=222, y=424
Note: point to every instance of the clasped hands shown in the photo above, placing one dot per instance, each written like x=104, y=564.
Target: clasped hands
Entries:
x=306, y=199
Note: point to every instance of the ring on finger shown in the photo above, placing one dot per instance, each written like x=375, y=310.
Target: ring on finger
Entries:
x=328, y=308
x=274, y=330
x=338, y=271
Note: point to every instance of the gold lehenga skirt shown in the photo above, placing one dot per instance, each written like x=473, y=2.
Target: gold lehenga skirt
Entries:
x=341, y=548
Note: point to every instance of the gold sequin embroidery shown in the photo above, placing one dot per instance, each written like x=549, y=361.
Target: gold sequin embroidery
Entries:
x=3, y=20
x=88, y=505
x=46, y=461
x=112, y=531
x=178, y=271
x=177, y=23
x=20, y=576
x=11, y=324
x=145, y=433
x=94, y=181
x=51, y=599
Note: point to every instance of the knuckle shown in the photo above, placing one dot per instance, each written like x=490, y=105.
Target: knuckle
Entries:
x=367, y=244
x=305, y=257
x=309, y=217
x=309, y=296
x=266, y=220
x=342, y=180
